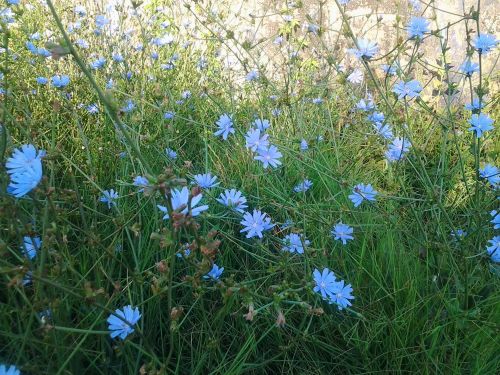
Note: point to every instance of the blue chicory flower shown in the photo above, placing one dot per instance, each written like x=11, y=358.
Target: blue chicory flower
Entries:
x=123, y=327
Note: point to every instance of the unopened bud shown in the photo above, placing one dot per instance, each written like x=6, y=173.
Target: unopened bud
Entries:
x=162, y=266
x=280, y=320
x=176, y=313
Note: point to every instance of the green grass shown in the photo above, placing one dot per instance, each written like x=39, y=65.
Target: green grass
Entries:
x=424, y=303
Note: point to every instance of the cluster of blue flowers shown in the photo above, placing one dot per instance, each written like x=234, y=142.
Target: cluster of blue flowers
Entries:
x=24, y=166
x=331, y=290
x=25, y=170
x=399, y=146
x=258, y=141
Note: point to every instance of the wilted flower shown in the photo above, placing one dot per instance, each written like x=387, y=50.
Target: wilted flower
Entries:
x=280, y=320
x=109, y=197
x=44, y=316
x=215, y=273
x=251, y=313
